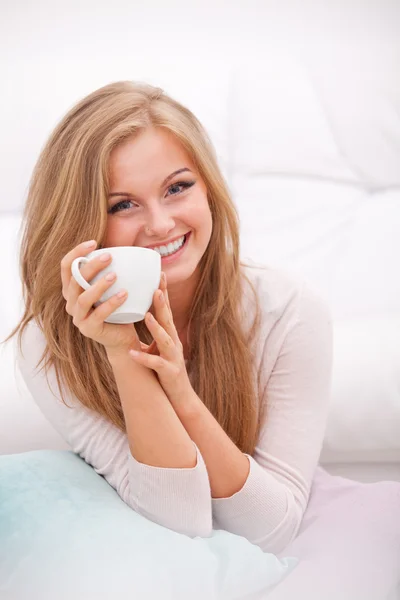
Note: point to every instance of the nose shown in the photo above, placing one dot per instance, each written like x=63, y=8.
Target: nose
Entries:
x=159, y=223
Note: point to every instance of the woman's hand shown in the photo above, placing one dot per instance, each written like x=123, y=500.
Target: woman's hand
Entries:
x=117, y=338
x=165, y=353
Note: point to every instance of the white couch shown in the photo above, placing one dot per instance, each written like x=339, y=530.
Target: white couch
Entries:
x=310, y=145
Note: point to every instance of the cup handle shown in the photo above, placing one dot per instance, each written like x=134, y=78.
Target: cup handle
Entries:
x=76, y=273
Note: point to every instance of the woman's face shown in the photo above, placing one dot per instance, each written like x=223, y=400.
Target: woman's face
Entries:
x=152, y=205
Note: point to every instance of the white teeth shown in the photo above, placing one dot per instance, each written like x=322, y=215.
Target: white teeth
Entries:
x=171, y=248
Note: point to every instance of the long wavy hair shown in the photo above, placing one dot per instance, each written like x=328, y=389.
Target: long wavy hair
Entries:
x=67, y=203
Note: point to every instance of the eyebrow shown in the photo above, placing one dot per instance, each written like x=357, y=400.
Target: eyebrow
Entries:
x=183, y=170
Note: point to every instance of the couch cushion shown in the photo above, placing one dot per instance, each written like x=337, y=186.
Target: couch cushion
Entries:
x=364, y=419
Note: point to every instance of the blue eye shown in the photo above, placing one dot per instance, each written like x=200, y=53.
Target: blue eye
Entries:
x=184, y=184
x=119, y=206
x=126, y=204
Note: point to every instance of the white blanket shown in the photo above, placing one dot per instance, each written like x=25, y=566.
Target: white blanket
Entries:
x=348, y=544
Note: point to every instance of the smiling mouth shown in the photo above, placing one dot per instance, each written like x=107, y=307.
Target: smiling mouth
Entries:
x=173, y=248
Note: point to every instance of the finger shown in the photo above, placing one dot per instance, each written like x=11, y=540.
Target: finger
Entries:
x=88, y=298
x=164, y=315
x=156, y=363
x=65, y=266
x=88, y=271
x=165, y=344
x=150, y=349
x=166, y=297
x=105, y=309
x=164, y=289
x=80, y=303
x=94, y=324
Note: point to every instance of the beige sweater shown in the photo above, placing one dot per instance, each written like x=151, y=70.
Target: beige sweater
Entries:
x=294, y=357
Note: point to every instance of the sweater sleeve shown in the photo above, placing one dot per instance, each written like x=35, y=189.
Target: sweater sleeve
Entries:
x=269, y=508
x=179, y=499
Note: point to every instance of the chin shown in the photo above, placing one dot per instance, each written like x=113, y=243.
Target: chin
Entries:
x=179, y=274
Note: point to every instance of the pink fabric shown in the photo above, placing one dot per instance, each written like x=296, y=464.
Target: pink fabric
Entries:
x=348, y=543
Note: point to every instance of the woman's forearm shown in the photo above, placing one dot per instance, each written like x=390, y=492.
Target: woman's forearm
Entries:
x=227, y=467
x=155, y=433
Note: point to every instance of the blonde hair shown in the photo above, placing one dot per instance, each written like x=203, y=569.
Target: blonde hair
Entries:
x=67, y=204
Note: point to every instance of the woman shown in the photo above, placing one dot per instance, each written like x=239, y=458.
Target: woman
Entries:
x=217, y=418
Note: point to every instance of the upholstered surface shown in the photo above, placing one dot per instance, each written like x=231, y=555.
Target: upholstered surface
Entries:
x=310, y=146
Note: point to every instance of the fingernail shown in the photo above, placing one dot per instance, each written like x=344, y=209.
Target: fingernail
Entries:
x=161, y=297
x=110, y=276
x=89, y=244
x=105, y=257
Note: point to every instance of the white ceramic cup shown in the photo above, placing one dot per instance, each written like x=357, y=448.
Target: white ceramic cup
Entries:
x=138, y=271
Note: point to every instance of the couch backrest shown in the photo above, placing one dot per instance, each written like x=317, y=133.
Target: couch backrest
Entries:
x=312, y=158
x=302, y=103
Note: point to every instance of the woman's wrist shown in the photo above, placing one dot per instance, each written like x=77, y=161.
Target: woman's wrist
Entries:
x=118, y=356
x=186, y=404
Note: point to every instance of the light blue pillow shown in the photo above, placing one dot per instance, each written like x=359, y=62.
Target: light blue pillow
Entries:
x=66, y=535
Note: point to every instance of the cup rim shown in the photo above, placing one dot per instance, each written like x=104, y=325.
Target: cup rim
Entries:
x=111, y=248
